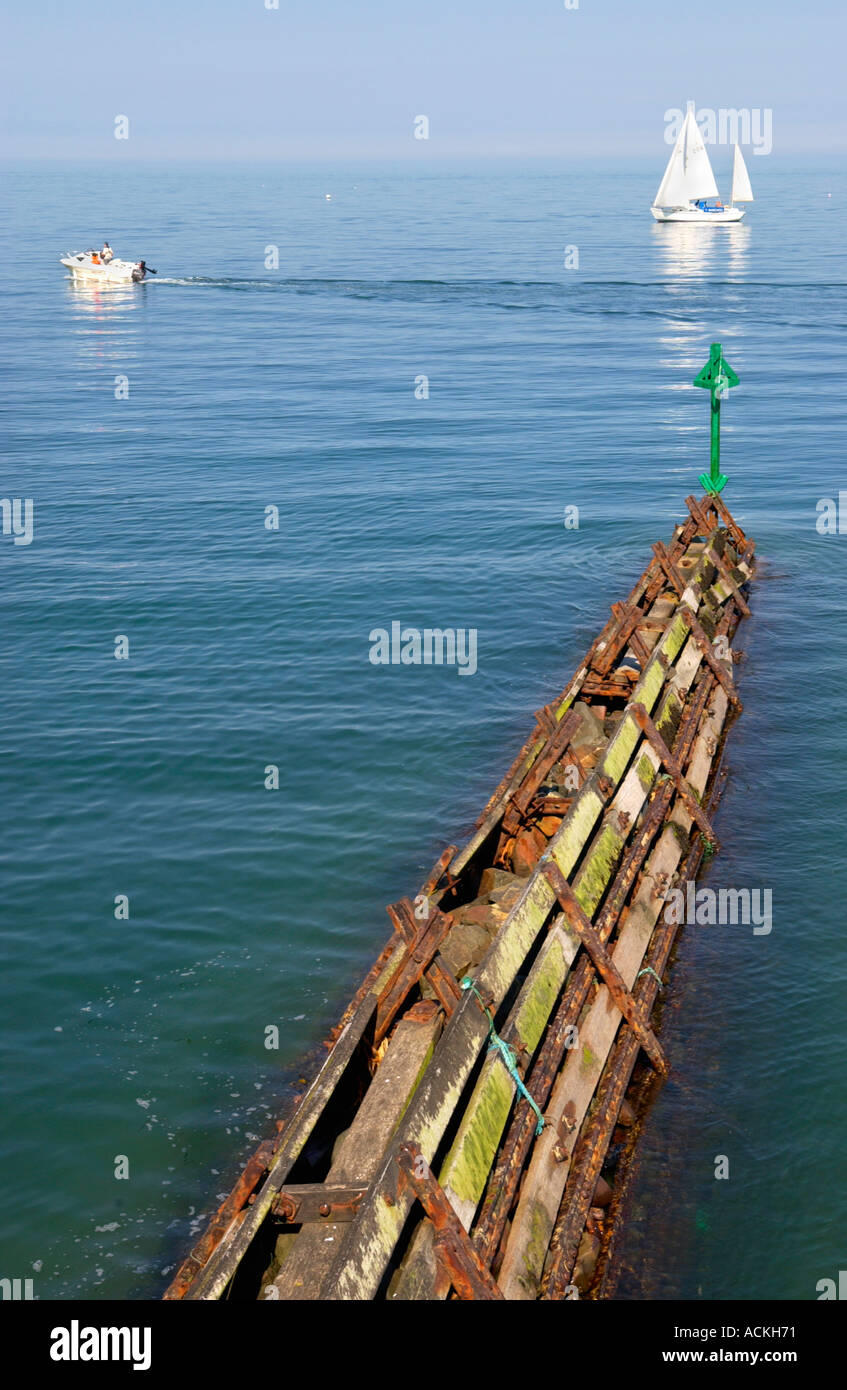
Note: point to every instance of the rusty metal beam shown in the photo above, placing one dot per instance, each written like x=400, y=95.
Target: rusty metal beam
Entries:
x=453, y=1247
x=594, y=1142
x=672, y=767
x=439, y=871
x=421, y=958
x=728, y=520
x=627, y=616
x=298, y=1204
x=507, y=1172
x=604, y=964
x=523, y=795
x=707, y=649
x=226, y=1213
x=670, y=570
x=699, y=509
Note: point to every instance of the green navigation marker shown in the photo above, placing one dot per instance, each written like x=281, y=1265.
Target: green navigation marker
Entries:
x=717, y=376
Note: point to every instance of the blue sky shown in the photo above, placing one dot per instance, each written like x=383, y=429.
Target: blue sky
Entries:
x=321, y=78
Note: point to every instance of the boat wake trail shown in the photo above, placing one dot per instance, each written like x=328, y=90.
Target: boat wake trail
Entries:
x=666, y=298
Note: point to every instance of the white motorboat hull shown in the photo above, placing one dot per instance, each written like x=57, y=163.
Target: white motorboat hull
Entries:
x=697, y=215
x=86, y=271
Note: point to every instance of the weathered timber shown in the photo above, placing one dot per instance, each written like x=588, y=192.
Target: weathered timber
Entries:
x=465, y=1170
x=674, y=770
x=420, y=957
x=535, y=1217
x=604, y=965
x=452, y=1246
x=506, y=1174
x=405, y=1061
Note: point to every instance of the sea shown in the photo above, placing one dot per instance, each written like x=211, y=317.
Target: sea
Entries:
x=357, y=394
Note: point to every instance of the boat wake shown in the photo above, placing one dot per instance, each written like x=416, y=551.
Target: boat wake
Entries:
x=676, y=299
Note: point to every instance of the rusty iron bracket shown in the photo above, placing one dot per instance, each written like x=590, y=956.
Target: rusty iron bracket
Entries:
x=723, y=677
x=745, y=556
x=671, y=572
x=604, y=964
x=699, y=509
x=722, y=510
x=547, y=721
x=637, y=647
x=298, y=1204
x=627, y=617
x=521, y=798
x=453, y=1249
x=420, y=957
x=672, y=767
x=439, y=871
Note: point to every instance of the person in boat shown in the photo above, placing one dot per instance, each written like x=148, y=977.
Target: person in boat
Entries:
x=139, y=272
x=106, y=255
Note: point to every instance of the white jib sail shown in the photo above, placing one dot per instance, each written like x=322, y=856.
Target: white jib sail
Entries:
x=741, y=190
x=689, y=173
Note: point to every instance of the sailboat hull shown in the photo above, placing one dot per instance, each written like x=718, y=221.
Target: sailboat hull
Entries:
x=697, y=215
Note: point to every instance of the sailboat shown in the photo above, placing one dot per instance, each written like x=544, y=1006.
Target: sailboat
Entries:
x=688, y=192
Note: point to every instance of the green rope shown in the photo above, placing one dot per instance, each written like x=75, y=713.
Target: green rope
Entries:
x=648, y=970
x=507, y=1053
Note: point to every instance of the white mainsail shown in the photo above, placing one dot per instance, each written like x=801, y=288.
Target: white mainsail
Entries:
x=689, y=173
x=741, y=190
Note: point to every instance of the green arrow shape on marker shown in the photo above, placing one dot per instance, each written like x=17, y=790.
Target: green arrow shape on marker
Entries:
x=713, y=485
x=717, y=377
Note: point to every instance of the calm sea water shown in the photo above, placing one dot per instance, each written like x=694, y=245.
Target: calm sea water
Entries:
x=295, y=388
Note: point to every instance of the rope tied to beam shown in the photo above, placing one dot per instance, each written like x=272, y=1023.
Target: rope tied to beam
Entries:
x=648, y=970
x=506, y=1052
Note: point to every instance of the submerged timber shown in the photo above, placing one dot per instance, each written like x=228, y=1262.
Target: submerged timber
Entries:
x=462, y=1136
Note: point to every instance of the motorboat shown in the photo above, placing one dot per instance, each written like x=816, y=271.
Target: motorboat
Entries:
x=688, y=192
x=92, y=268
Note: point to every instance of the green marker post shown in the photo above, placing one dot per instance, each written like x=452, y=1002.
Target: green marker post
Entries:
x=717, y=377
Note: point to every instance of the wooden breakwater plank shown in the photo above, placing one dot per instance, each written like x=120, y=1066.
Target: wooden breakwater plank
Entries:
x=535, y=1217
x=650, y=982
x=506, y=1173
x=592, y=1145
x=605, y=966
x=464, y=1172
x=361, y=1266
x=357, y=1159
